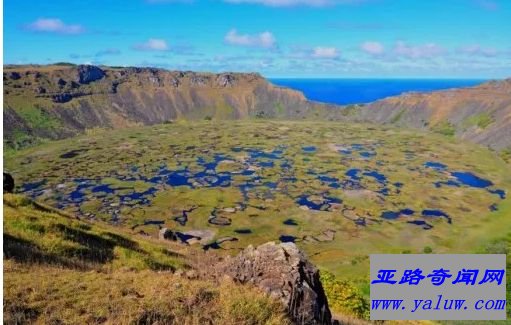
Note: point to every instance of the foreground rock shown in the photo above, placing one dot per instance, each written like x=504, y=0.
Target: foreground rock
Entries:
x=8, y=183
x=284, y=272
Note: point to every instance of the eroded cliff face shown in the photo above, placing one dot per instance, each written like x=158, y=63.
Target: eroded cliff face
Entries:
x=480, y=114
x=60, y=101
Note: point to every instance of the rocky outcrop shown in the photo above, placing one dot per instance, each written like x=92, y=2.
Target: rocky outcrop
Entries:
x=76, y=98
x=284, y=272
x=8, y=183
x=89, y=73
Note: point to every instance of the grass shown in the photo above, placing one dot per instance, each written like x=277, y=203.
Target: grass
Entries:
x=398, y=116
x=481, y=120
x=445, y=128
x=61, y=270
x=48, y=295
x=38, y=235
x=178, y=145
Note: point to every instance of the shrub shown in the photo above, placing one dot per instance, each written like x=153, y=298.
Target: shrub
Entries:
x=343, y=296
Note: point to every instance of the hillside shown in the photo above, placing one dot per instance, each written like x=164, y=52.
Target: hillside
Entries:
x=480, y=114
x=62, y=100
x=58, y=269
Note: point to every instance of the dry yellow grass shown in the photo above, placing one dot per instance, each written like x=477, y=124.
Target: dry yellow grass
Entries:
x=59, y=270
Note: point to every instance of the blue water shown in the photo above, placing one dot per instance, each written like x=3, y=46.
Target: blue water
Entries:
x=353, y=91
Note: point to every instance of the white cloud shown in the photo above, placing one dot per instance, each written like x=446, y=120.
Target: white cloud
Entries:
x=321, y=52
x=373, y=48
x=54, y=25
x=428, y=50
x=292, y=3
x=263, y=40
x=477, y=50
x=152, y=44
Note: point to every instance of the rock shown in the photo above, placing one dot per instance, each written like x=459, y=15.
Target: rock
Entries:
x=284, y=272
x=327, y=235
x=197, y=80
x=226, y=239
x=40, y=90
x=230, y=210
x=174, y=82
x=113, y=87
x=156, y=81
x=14, y=75
x=205, y=235
x=219, y=220
x=89, y=73
x=8, y=183
x=166, y=234
x=225, y=80
x=62, y=98
x=61, y=82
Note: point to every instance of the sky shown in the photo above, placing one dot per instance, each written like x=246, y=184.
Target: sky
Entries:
x=277, y=38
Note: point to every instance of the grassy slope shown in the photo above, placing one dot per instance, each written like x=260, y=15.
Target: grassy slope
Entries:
x=58, y=269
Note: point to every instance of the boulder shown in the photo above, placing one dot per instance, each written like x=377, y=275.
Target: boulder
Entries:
x=225, y=80
x=14, y=75
x=40, y=90
x=61, y=82
x=198, y=80
x=8, y=183
x=284, y=272
x=62, y=98
x=166, y=234
x=89, y=73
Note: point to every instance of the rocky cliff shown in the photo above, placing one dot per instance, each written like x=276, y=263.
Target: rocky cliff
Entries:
x=58, y=101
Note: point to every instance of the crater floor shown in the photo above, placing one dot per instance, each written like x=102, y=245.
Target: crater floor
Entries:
x=340, y=191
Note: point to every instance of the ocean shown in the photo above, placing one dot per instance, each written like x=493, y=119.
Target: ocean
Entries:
x=353, y=91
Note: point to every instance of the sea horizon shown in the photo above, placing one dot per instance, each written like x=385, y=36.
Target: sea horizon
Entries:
x=346, y=91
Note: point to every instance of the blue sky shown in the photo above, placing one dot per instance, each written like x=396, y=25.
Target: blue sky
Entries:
x=278, y=38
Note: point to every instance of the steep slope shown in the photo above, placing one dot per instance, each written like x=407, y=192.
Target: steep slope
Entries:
x=480, y=114
x=59, y=270
x=59, y=101
x=62, y=100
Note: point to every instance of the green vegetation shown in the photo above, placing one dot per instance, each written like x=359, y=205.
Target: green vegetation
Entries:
x=68, y=64
x=109, y=156
x=445, y=128
x=349, y=110
x=59, y=269
x=506, y=155
x=344, y=297
x=279, y=109
x=398, y=116
x=37, y=118
x=37, y=234
x=481, y=120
